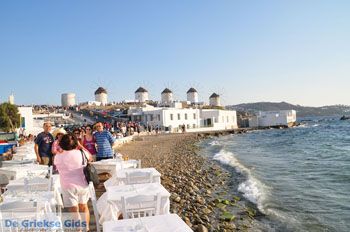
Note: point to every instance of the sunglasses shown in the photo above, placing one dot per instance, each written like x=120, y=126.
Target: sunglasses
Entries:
x=87, y=129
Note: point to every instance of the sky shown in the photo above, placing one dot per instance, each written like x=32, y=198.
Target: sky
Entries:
x=296, y=51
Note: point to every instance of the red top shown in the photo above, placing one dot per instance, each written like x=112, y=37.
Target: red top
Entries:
x=90, y=145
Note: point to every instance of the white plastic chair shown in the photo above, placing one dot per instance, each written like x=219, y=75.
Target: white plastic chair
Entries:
x=139, y=164
x=17, y=206
x=18, y=211
x=139, y=177
x=94, y=206
x=50, y=177
x=140, y=206
x=33, y=185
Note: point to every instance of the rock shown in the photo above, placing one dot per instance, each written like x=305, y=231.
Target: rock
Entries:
x=236, y=198
x=177, y=199
x=187, y=221
x=201, y=228
x=205, y=218
x=206, y=211
x=221, y=206
x=227, y=216
x=200, y=200
x=226, y=202
x=230, y=226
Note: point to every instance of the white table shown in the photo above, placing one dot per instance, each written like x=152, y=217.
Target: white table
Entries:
x=109, y=204
x=42, y=197
x=7, y=163
x=25, y=152
x=113, y=165
x=120, y=177
x=21, y=171
x=160, y=223
x=18, y=185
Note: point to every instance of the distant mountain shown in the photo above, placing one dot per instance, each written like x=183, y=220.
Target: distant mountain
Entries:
x=302, y=111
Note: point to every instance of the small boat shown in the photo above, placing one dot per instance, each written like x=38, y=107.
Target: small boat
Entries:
x=345, y=117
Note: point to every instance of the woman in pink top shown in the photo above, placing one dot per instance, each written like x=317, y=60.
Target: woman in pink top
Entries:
x=57, y=134
x=89, y=142
x=75, y=190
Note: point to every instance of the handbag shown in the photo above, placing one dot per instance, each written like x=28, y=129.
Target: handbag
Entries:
x=89, y=170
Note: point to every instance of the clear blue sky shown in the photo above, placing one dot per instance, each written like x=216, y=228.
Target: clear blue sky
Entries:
x=296, y=51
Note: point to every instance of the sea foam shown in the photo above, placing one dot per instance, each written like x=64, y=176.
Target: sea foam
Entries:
x=252, y=188
x=214, y=143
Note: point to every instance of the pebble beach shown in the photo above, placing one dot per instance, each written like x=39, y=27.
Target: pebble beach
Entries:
x=199, y=187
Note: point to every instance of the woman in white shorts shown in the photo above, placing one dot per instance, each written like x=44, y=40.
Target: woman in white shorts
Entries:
x=75, y=190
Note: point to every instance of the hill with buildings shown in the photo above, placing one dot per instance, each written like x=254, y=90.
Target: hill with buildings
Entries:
x=302, y=111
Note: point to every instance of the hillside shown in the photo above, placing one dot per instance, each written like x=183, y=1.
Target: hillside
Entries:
x=302, y=111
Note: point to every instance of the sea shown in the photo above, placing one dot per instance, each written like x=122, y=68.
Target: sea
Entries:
x=297, y=178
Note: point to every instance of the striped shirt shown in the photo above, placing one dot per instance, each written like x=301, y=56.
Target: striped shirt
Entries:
x=104, y=141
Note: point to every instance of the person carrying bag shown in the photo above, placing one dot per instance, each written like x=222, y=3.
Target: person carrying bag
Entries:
x=90, y=171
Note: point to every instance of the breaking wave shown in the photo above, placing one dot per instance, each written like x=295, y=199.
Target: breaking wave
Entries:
x=252, y=188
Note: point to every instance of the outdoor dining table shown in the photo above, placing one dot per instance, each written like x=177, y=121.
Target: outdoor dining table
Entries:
x=20, y=171
x=113, y=165
x=17, y=189
x=159, y=223
x=7, y=163
x=43, y=198
x=120, y=177
x=19, y=184
x=109, y=205
x=47, y=207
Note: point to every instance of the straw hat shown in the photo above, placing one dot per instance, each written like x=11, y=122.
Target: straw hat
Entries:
x=59, y=131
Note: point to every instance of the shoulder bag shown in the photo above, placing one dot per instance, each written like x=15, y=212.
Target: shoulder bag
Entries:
x=90, y=171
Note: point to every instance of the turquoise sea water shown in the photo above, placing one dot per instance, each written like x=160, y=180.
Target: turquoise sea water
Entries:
x=299, y=178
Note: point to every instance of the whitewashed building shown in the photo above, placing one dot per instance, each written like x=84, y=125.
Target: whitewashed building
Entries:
x=68, y=99
x=90, y=103
x=273, y=118
x=26, y=119
x=172, y=119
x=141, y=95
x=219, y=119
x=101, y=96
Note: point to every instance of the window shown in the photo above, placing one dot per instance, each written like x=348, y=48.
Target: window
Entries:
x=223, y=118
x=194, y=125
x=151, y=116
x=171, y=117
x=227, y=119
x=185, y=116
x=178, y=117
x=158, y=117
x=194, y=116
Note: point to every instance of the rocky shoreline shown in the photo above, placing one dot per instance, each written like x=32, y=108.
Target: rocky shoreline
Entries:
x=200, y=189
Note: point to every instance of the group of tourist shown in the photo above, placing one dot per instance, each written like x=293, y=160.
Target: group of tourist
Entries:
x=66, y=151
